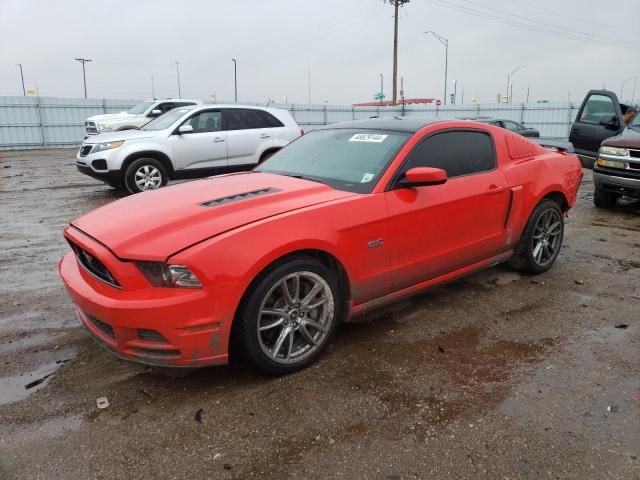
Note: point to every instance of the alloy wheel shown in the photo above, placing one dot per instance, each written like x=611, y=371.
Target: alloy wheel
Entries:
x=295, y=317
x=148, y=177
x=547, y=235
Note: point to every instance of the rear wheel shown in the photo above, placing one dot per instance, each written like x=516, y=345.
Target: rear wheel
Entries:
x=604, y=199
x=145, y=174
x=541, y=240
x=289, y=316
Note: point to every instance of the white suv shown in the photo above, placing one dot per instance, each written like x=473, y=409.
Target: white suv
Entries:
x=134, y=118
x=187, y=142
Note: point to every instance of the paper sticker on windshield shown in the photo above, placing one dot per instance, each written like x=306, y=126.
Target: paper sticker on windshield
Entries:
x=368, y=137
x=367, y=177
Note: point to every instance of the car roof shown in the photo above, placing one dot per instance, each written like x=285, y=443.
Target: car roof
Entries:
x=398, y=124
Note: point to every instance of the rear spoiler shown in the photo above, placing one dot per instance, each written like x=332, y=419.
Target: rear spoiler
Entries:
x=560, y=145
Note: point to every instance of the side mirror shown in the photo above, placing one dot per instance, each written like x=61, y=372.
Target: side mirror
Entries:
x=155, y=113
x=609, y=121
x=185, y=129
x=423, y=176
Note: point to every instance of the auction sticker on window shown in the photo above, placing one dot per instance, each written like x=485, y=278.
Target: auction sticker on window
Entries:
x=368, y=137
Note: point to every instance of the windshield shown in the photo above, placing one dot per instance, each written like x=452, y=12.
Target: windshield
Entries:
x=635, y=122
x=140, y=108
x=166, y=120
x=346, y=159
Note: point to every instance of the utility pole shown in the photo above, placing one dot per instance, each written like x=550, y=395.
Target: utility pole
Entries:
x=235, y=79
x=153, y=90
x=381, y=87
x=509, y=84
x=444, y=42
x=84, y=76
x=455, y=91
x=24, y=92
x=397, y=4
x=178, y=75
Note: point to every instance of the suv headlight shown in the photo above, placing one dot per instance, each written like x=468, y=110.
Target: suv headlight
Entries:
x=105, y=128
x=162, y=275
x=101, y=147
x=621, y=152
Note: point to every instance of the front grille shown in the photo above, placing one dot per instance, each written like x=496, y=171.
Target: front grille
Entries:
x=85, y=150
x=94, y=266
x=240, y=196
x=100, y=325
x=634, y=153
x=91, y=127
x=634, y=165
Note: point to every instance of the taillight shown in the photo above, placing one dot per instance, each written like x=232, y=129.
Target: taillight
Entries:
x=301, y=131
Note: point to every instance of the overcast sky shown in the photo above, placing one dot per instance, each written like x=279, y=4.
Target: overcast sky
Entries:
x=566, y=46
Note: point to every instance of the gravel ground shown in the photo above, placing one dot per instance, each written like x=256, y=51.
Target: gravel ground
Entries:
x=499, y=375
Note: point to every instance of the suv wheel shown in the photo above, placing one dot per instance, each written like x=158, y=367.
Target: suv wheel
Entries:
x=145, y=174
x=604, y=199
x=541, y=240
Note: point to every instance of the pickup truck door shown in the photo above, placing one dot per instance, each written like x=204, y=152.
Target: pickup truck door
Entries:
x=599, y=117
x=205, y=146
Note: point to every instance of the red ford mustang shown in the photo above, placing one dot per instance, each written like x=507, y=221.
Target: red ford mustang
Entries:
x=344, y=219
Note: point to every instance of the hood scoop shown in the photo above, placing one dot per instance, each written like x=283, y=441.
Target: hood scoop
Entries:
x=239, y=196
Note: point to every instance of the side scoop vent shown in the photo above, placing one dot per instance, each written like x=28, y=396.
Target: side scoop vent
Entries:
x=240, y=196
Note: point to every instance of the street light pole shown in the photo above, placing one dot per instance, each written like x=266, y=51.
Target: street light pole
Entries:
x=24, y=92
x=178, y=76
x=235, y=79
x=153, y=90
x=509, y=84
x=444, y=42
x=635, y=80
x=455, y=91
x=381, y=87
x=84, y=76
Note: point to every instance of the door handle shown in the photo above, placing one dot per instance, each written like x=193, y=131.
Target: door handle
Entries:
x=497, y=188
x=265, y=135
x=218, y=139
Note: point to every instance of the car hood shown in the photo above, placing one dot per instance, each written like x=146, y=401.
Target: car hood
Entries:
x=123, y=135
x=154, y=225
x=629, y=138
x=111, y=117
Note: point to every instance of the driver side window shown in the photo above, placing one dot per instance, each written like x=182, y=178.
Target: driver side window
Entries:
x=597, y=106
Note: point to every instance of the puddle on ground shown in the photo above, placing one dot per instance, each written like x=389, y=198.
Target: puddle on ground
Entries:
x=20, y=386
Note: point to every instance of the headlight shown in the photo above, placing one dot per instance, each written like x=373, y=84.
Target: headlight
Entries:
x=105, y=128
x=101, y=147
x=609, y=163
x=163, y=275
x=622, y=152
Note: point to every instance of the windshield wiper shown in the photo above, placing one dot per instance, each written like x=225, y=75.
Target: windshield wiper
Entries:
x=302, y=177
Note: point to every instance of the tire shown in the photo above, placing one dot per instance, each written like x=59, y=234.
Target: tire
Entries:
x=150, y=174
x=604, y=199
x=541, y=240
x=275, y=334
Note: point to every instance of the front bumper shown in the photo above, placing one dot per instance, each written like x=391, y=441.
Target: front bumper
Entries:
x=112, y=177
x=154, y=326
x=622, y=181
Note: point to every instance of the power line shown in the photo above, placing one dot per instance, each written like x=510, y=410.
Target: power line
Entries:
x=555, y=12
x=514, y=23
x=548, y=25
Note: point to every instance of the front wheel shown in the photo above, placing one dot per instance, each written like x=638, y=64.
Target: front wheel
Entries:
x=145, y=174
x=541, y=240
x=604, y=199
x=289, y=316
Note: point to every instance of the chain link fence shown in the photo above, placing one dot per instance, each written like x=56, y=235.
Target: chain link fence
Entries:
x=47, y=122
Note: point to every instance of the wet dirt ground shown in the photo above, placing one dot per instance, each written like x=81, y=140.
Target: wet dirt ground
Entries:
x=499, y=375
